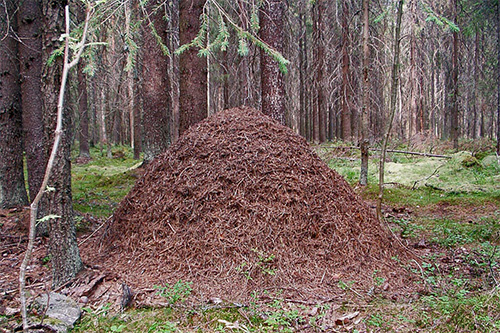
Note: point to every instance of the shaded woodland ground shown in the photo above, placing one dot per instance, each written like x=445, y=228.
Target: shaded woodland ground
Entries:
x=444, y=210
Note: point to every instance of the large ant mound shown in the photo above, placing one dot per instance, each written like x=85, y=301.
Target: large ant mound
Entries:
x=241, y=203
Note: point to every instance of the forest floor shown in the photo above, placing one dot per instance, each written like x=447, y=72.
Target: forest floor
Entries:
x=445, y=211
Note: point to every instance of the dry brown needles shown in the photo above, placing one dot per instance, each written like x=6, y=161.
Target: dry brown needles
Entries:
x=241, y=203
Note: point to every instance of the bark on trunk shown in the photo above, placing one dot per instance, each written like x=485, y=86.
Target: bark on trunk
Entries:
x=193, y=69
x=394, y=92
x=12, y=188
x=319, y=110
x=65, y=256
x=498, y=79
x=30, y=58
x=363, y=178
x=83, y=110
x=272, y=80
x=454, y=96
x=346, y=96
x=156, y=86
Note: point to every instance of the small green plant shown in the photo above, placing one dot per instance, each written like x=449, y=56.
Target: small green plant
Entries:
x=167, y=327
x=408, y=229
x=376, y=320
x=345, y=286
x=46, y=259
x=179, y=292
x=265, y=260
x=281, y=319
x=117, y=328
x=377, y=279
x=263, y=264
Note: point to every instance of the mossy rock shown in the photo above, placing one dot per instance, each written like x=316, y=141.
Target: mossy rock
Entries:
x=470, y=161
x=490, y=160
x=480, y=155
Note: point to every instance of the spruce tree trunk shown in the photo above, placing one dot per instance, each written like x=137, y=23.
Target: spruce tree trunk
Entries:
x=345, y=94
x=319, y=112
x=155, y=85
x=272, y=80
x=392, y=105
x=193, y=69
x=12, y=189
x=364, y=142
x=63, y=249
x=30, y=58
x=83, y=110
x=498, y=79
x=454, y=95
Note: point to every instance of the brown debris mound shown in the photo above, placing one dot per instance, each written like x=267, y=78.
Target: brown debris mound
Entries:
x=241, y=203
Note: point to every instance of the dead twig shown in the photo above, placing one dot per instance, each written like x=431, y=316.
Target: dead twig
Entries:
x=425, y=178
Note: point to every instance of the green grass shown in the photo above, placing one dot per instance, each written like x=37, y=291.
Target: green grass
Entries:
x=101, y=184
x=213, y=318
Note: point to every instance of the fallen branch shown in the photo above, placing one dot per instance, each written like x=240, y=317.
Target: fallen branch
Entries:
x=413, y=153
x=394, y=151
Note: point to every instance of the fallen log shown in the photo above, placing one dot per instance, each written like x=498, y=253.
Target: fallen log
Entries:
x=393, y=151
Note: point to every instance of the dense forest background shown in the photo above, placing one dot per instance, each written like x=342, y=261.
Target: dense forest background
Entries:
x=448, y=68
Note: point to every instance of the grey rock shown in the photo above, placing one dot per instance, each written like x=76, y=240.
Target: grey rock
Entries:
x=62, y=311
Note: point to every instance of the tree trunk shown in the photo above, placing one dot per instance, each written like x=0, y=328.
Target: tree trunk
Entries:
x=174, y=68
x=193, y=69
x=346, y=96
x=364, y=142
x=394, y=92
x=30, y=24
x=272, y=80
x=454, y=95
x=498, y=79
x=319, y=112
x=83, y=110
x=12, y=188
x=412, y=114
x=137, y=118
x=155, y=85
x=65, y=256
x=302, y=75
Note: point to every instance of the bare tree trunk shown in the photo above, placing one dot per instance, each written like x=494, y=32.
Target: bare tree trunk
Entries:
x=137, y=117
x=174, y=68
x=365, y=144
x=475, y=88
x=302, y=75
x=193, y=69
x=319, y=109
x=272, y=80
x=84, y=114
x=130, y=74
x=394, y=92
x=30, y=58
x=156, y=85
x=454, y=96
x=498, y=79
x=12, y=188
x=346, y=97
x=412, y=114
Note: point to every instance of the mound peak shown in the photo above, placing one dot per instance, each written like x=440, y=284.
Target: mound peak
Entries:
x=241, y=203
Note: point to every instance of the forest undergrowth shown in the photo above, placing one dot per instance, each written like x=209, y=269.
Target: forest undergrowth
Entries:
x=445, y=210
